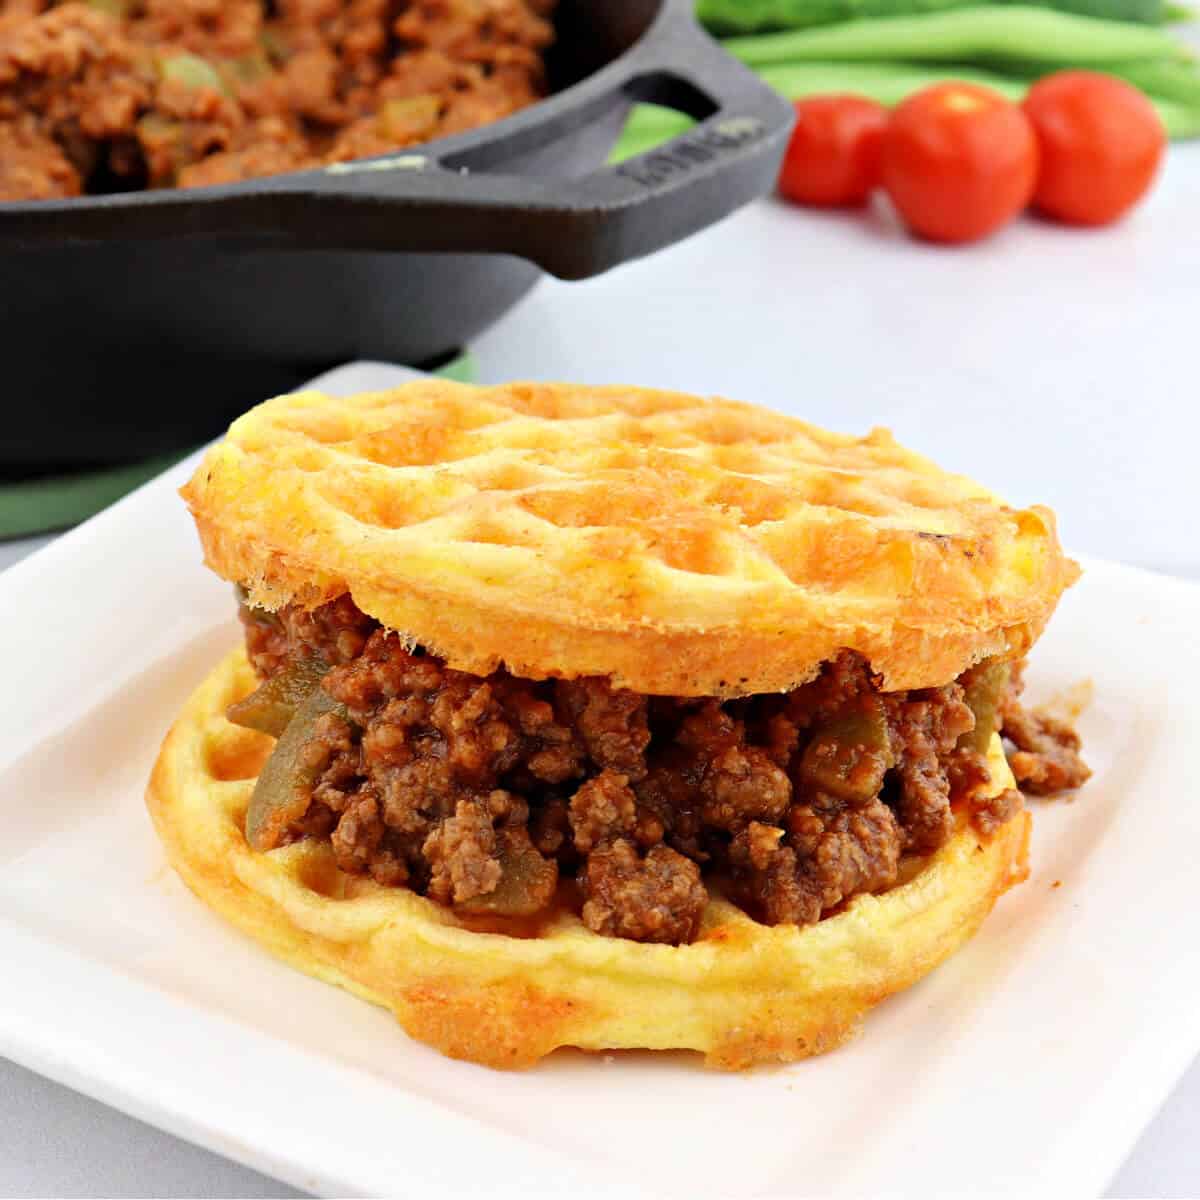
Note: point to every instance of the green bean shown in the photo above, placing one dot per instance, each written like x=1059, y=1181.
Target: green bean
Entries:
x=726, y=17
x=1181, y=121
x=887, y=83
x=1164, y=79
x=890, y=82
x=1177, y=81
x=965, y=35
x=739, y=17
x=1144, y=12
x=649, y=125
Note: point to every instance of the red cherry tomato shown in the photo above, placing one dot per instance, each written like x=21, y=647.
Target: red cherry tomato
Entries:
x=1101, y=145
x=958, y=161
x=833, y=157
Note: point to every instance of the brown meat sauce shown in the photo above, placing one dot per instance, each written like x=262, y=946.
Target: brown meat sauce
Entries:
x=117, y=95
x=500, y=795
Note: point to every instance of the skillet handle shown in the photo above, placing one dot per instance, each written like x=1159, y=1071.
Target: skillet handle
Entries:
x=579, y=228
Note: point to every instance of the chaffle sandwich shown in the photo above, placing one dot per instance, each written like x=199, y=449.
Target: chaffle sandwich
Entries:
x=608, y=717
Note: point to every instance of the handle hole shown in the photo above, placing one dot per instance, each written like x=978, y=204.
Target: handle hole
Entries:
x=671, y=91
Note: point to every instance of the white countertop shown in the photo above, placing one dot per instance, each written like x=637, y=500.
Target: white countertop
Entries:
x=1055, y=365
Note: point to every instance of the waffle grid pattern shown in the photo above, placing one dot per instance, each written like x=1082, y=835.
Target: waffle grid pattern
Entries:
x=678, y=544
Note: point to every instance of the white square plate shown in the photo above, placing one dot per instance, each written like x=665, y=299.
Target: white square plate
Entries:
x=1032, y=1060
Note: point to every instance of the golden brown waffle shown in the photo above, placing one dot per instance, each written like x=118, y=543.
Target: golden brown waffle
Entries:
x=743, y=993
x=678, y=545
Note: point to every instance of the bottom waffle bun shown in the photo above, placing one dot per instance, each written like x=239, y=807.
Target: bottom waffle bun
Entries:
x=741, y=994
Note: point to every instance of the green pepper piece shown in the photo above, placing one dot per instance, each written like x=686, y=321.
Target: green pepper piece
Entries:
x=984, y=686
x=411, y=118
x=527, y=881
x=192, y=71
x=250, y=68
x=260, y=616
x=274, y=703
x=157, y=128
x=275, y=45
x=282, y=791
x=113, y=8
x=849, y=755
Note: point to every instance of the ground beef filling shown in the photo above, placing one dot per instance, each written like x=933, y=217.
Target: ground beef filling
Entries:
x=104, y=96
x=485, y=793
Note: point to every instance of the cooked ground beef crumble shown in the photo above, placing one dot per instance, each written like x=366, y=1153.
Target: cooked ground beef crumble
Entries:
x=483, y=793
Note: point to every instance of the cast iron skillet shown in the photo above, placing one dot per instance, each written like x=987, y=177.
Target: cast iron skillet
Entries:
x=134, y=324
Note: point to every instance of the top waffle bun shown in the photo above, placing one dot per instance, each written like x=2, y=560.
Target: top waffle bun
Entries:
x=680, y=545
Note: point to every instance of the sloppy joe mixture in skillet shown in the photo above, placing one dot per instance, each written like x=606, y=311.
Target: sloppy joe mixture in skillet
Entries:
x=118, y=95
